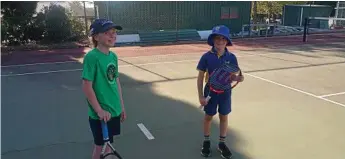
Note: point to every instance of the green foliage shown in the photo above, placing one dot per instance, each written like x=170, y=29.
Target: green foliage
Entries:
x=77, y=27
x=274, y=7
x=58, y=26
x=270, y=8
x=21, y=24
x=16, y=17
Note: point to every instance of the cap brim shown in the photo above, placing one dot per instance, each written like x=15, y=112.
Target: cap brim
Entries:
x=117, y=27
x=104, y=28
x=210, y=39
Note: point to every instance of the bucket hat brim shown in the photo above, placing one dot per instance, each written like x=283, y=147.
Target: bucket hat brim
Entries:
x=211, y=36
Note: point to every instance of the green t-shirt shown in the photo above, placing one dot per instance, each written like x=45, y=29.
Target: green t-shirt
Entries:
x=102, y=70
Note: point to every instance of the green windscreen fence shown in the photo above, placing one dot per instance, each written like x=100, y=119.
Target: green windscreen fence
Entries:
x=177, y=19
x=294, y=15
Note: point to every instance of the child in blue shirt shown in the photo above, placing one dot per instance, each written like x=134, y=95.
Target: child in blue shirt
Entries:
x=218, y=39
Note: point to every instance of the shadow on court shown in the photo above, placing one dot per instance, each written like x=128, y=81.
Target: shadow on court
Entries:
x=45, y=116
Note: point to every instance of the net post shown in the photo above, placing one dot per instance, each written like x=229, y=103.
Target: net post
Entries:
x=306, y=21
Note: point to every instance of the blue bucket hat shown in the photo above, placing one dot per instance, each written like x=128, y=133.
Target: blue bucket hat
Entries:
x=219, y=30
x=102, y=25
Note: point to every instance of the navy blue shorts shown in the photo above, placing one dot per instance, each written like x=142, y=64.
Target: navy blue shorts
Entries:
x=114, y=125
x=221, y=101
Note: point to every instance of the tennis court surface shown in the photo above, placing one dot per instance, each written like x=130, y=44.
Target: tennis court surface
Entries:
x=290, y=105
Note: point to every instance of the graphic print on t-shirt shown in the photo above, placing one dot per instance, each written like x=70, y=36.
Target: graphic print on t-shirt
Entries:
x=111, y=71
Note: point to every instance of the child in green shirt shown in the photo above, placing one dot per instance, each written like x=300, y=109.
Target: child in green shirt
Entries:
x=101, y=83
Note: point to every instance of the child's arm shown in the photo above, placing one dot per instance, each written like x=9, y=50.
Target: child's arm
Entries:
x=122, y=103
x=240, y=77
x=88, y=76
x=123, y=114
x=91, y=97
x=201, y=67
x=200, y=83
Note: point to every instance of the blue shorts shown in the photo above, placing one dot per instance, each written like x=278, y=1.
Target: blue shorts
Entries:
x=221, y=101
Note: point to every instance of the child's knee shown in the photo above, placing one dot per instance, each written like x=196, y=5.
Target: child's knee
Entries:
x=223, y=118
x=208, y=118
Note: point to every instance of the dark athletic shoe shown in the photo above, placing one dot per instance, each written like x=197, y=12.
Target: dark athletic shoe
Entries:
x=205, y=150
x=224, y=151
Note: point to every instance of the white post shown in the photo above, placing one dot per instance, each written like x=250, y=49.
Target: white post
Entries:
x=301, y=18
x=336, y=12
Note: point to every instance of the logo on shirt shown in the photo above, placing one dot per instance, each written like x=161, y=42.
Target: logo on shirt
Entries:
x=111, y=72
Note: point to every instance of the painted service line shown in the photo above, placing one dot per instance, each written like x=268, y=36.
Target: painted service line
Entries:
x=145, y=131
x=35, y=73
x=71, y=70
x=125, y=58
x=43, y=63
x=334, y=94
x=295, y=89
x=176, y=54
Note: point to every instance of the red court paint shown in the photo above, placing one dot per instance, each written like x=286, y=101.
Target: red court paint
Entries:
x=45, y=56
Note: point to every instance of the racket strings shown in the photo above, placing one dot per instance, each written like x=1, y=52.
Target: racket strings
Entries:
x=222, y=77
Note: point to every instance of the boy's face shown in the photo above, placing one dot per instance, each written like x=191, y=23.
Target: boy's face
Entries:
x=107, y=38
x=220, y=42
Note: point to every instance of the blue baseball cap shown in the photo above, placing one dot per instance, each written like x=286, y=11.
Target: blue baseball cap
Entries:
x=222, y=31
x=102, y=25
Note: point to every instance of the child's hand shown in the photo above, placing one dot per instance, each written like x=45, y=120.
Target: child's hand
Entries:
x=104, y=115
x=239, y=78
x=203, y=101
x=123, y=116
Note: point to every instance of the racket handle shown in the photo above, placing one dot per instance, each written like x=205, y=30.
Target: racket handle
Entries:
x=104, y=130
x=207, y=99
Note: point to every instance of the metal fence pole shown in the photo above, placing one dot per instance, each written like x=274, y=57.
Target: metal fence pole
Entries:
x=176, y=20
x=85, y=18
x=305, y=29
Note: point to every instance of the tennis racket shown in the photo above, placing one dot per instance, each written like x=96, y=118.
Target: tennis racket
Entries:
x=107, y=143
x=222, y=79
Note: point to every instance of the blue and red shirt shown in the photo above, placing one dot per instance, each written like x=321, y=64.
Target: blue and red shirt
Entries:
x=211, y=60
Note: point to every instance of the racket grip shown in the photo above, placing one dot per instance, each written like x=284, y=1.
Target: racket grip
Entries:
x=104, y=130
x=207, y=99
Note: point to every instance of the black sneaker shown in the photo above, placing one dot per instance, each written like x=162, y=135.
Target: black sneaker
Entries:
x=224, y=150
x=205, y=150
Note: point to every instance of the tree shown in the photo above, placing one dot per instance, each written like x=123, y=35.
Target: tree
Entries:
x=271, y=8
x=16, y=17
x=57, y=24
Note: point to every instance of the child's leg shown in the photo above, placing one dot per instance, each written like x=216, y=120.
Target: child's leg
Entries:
x=224, y=109
x=97, y=151
x=223, y=126
x=210, y=110
x=113, y=129
x=206, y=146
x=207, y=125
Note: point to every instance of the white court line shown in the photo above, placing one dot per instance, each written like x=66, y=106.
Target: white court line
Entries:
x=190, y=53
x=295, y=89
x=71, y=70
x=334, y=94
x=43, y=63
x=51, y=63
x=46, y=72
x=154, y=63
x=145, y=131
